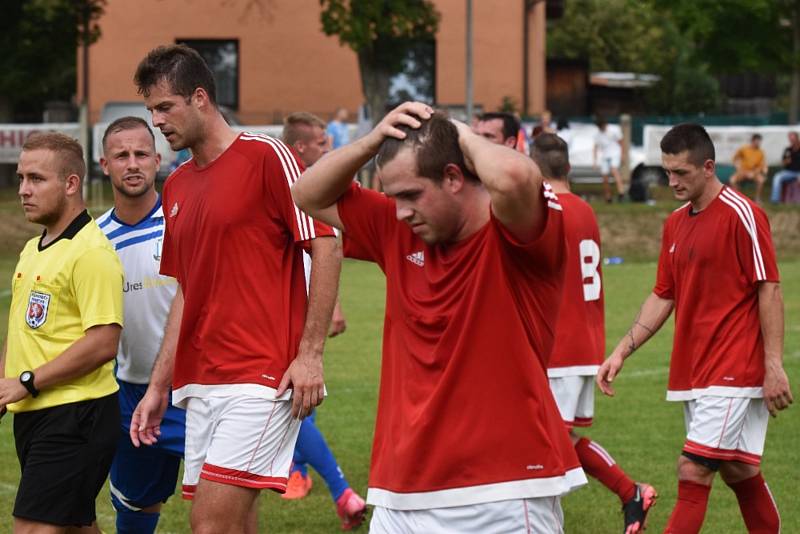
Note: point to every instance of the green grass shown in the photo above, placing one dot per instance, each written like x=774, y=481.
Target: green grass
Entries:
x=638, y=427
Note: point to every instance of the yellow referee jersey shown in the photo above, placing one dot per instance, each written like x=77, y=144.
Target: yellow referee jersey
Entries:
x=58, y=292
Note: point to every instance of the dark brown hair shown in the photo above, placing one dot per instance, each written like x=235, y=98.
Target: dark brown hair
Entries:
x=510, y=122
x=551, y=154
x=690, y=137
x=435, y=144
x=183, y=69
x=127, y=123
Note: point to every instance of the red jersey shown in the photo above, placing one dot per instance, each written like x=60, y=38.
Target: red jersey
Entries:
x=711, y=263
x=580, y=335
x=230, y=235
x=465, y=413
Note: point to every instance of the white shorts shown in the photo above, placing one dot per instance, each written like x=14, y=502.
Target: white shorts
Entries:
x=528, y=516
x=574, y=396
x=238, y=440
x=609, y=162
x=726, y=428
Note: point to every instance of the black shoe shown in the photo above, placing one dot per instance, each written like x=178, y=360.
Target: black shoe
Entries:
x=636, y=509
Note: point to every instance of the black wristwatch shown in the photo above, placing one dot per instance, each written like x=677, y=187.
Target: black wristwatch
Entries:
x=26, y=379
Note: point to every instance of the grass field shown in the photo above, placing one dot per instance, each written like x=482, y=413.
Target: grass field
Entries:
x=638, y=427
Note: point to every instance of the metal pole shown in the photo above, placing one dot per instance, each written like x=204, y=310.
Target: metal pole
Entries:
x=469, y=62
x=84, y=112
x=625, y=170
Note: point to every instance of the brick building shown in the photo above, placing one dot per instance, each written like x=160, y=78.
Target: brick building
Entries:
x=271, y=57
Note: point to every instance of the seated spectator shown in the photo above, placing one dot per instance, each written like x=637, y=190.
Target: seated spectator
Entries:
x=750, y=164
x=791, y=168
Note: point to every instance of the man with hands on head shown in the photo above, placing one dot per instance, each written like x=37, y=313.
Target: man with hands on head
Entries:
x=464, y=233
x=717, y=270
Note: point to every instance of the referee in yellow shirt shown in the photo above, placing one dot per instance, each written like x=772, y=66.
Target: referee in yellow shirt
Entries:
x=63, y=329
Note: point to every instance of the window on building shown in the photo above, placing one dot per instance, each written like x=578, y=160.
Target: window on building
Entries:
x=417, y=80
x=222, y=56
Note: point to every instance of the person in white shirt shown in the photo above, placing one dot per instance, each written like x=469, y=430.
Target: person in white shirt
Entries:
x=607, y=157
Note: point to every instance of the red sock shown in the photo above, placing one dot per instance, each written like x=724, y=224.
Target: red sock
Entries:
x=600, y=465
x=757, y=505
x=690, y=510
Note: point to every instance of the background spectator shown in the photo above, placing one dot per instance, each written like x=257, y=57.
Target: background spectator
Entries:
x=750, y=164
x=791, y=168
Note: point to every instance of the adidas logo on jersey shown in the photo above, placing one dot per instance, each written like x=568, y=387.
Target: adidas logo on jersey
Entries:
x=417, y=258
x=174, y=211
x=672, y=248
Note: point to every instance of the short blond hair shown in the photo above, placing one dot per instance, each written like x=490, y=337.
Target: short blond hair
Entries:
x=68, y=151
x=294, y=127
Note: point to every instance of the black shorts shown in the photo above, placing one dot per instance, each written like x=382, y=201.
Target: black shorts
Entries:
x=64, y=454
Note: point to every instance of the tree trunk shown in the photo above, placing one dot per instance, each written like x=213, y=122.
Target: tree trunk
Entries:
x=7, y=170
x=375, y=85
x=6, y=109
x=794, y=96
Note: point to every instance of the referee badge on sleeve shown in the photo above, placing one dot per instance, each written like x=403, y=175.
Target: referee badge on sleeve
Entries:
x=38, y=304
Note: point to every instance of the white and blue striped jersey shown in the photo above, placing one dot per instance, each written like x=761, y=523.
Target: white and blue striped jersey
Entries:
x=147, y=294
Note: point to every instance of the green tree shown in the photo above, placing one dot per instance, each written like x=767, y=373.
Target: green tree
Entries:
x=615, y=35
x=735, y=36
x=637, y=36
x=383, y=34
x=39, y=40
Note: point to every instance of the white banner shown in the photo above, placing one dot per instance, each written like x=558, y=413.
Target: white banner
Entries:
x=13, y=136
x=727, y=140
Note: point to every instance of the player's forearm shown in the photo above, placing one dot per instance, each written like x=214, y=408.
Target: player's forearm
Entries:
x=770, y=314
x=163, y=368
x=501, y=170
x=97, y=347
x=322, y=184
x=654, y=311
x=512, y=179
x=325, y=267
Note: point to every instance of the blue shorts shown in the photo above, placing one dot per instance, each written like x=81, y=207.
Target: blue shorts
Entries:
x=146, y=476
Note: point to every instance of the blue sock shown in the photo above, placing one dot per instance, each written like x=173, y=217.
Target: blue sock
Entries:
x=312, y=448
x=299, y=463
x=130, y=522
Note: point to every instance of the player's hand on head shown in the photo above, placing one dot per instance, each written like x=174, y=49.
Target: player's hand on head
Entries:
x=406, y=114
x=607, y=373
x=777, y=392
x=464, y=133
